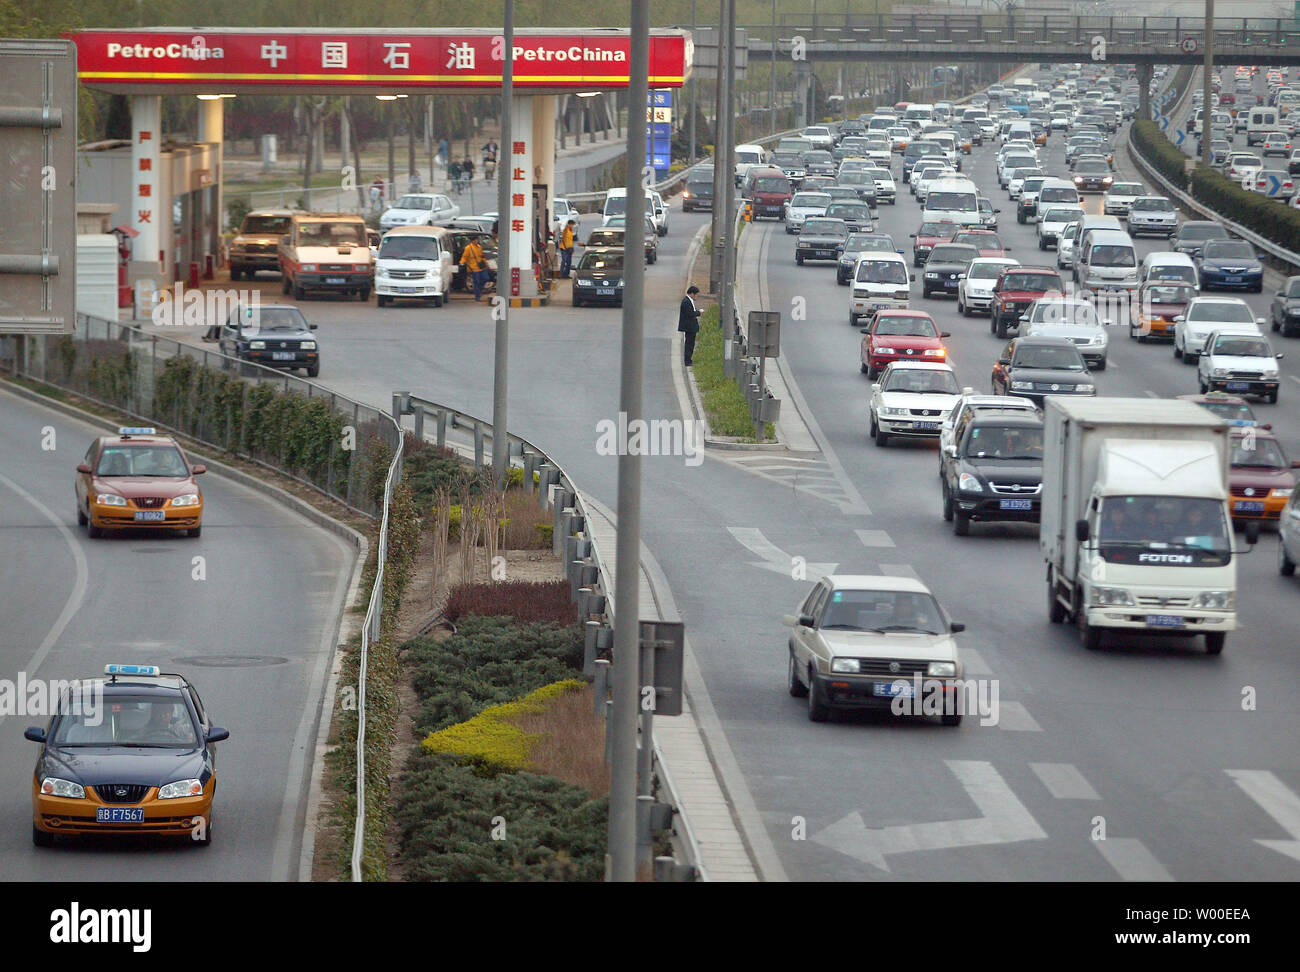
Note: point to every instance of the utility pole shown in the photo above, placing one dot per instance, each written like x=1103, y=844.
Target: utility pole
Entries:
x=694, y=84
x=1206, y=111
x=728, y=158
x=771, y=103
x=720, y=135
x=501, y=305
x=622, y=721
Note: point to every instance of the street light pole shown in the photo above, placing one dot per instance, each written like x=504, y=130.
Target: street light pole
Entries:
x=1207, y=112
x=501, y=305
x=622, y=721
x=694, y=84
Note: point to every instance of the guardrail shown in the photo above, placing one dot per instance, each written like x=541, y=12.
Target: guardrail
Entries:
x=574, y=541
x=1288, y=258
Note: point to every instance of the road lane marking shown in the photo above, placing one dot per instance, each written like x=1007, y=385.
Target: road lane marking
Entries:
x=1294, y=378
x=1015, y=717
x=1150, y=394
x=1064, y=781
x=1131, y=859
x=899, y=570
x=1278, y=801
x=973, y=663
x=1003, y=820
x=874, y=538
x=774, y=558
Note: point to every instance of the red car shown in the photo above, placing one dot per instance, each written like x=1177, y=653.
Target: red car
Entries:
x=931, y=233
x=986, y=241
x=900, y=335
x=1158, y=303
x=1015, y=290
x=1259, y=476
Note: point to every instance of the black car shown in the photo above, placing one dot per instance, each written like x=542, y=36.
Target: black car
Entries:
x=945, y=268
x=1192, y=236
x=791, y=163
x=1092, y=176
x=818, y=162
x=276, y=335
x=698, y=193
x=856, y=245
x=598, y=277
x=994, y=469
x=1036, y=367
x=856, y=215
x=863, y=183
x=1284, y=311
x=916, y=151
x=820, y=238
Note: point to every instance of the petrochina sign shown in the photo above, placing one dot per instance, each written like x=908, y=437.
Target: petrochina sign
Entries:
x=234, y=59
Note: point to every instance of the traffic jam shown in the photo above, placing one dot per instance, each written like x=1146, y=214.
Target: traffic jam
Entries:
x=1015, y=209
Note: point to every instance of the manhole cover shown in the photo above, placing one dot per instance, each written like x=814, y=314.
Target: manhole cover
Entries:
x=232, y=661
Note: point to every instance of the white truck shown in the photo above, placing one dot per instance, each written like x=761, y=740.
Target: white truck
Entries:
x=1135, y=525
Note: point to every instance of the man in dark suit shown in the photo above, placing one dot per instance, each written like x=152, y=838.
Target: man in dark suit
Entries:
x=688, y=322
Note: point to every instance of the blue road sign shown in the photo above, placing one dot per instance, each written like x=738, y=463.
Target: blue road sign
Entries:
x=1164, y=122
x=1274, y=185
x=1181, y=135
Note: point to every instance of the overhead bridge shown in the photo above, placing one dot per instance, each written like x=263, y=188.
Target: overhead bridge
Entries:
x=1023, y=37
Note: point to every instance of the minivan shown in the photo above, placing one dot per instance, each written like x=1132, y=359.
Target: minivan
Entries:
x=615, y=205
x=698, y=193
x=1056, y=192
x=414, y=263
x=768, y=189
x=326, y=251
x=1108, y=261
x=956, y=200
x=880, y=281
x=1260, y=123
x=748, y=156
x=1089, y=224
x=1169, y=265
x=918, y=115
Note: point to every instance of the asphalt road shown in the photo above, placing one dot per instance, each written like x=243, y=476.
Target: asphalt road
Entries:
x=256, y=637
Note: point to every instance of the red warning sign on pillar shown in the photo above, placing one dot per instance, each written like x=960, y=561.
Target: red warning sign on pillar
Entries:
x=514, y=281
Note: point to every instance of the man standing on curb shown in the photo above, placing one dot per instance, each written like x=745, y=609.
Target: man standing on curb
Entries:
x=566, y=249
x=688, y=322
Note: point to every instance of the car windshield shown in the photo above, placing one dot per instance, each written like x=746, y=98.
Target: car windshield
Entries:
x=272, y=319
x=962, y=202
x=1126, y=189
x=945, y=230
x=921, y=381
x=1152, y=205
x=409, y=248
x=1053, y=194
x=141, y=722
x=1032, y=281
x=854, y=211
x=415, y=202
x=1227, y=311
x=265, y=224
x=1247, y=160
x=141, y=460
x=818, y=156
x=1168, y=294
x=1004, y=442
x=605, y=237
x=953, y=253
x=883, y=611
x=607, y=260
x=1091, y=167
x=331, y=234
x=858, y=243
x=1293, y=288
x=1078, y=312
x=616, y=206
x=771, y=184
x=856, y=178
x=823, y=227
x=1041, y=357
x=1228, y=250
x=1061, y=215
x=1113, y=255
x=904, y=326
x=1257, y=452
x=1020, y=162
x=882, y=271
x=984, y=271
x=810, y=200
x=1243, y=347
x=1237, y=411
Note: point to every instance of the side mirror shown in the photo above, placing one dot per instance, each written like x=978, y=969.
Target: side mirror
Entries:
x=35, y=734
x=1280, y=355
x=1260, y=320
x=314, y=326
x=1279, y=294
x=1179, y=319
x=199, y=469
x=217, y=734
x=956, y=627
x=875, y=387
x=997, y=210
x=864, y=330
x=83, y=467
x=1081, y=531
x=911, y=277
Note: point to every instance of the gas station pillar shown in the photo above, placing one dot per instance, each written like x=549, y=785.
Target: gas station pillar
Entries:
x=147, y=215
x=544, y=155
x=212, y=116
x=518, y=222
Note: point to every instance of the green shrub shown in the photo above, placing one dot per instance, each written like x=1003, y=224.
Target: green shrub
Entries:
x=1159, y=152
x=724, y=402
x=1267, y=217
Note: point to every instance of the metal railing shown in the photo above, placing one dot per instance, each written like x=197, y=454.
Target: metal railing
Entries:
x=573, y=540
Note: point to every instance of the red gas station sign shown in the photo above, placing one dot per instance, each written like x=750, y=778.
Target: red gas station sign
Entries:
x=236, y=61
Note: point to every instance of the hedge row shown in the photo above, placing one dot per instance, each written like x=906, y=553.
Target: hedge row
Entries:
x=1270, y=218
x=1160, y=153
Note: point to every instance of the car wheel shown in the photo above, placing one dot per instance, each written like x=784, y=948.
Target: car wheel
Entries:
x=1178, y=352
x=925, y=293
x=381, y=300
x=40, y=838
x=195, y=532
x=1055, y=609
x=82, y=520
x=1001, y=329
x=298, y=292
x=313, y=370
x=1042, y=243
x=864, y=368
x=364, y=293
x=1202, y=384
x=882, y=438
x=94, y=532
x=1272, y=397
x=576, y=302
x=796, y=687
x=1101, y=365
x=873, y=428
x=1214, y=642
x=284, y=285
x=234, y=273
x=960, y=523
x=947, y=504
x=951, y=719
x=1189, y=358
x=1089, y=636
x=798, y=259
x=1285, y=565
x=1276, y=326
x=818, y=710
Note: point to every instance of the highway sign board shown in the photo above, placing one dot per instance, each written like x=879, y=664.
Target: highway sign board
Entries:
x=1181, y=135
x=1274, y=186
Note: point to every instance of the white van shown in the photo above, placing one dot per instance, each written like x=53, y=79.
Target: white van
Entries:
x=1108, y=261
x=414, y=263
x=1260, y=123
x=952, y=199
x=1169, y=265
x=1056, y=192
x=881, y=281
x=1089, y=224
x=748, y=156
x=918, y=116
x=615, y=205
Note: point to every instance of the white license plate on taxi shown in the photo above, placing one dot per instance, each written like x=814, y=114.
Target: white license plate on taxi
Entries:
x=150, y=516
x=119, y=814
x=894, y=690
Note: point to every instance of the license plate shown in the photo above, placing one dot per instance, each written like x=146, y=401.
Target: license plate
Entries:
x=407, y=290
x=335, y=280
x=1165, y=621
x=119, y=814
x=1237, y=385
x=824, y=253
x=926, y=426
x=1248, y=506
x=894, y=690
x=1016, y=504
x=150, y=515
x=880, y=305
x=1234, y=278
x=605, y=291
x=282, y=355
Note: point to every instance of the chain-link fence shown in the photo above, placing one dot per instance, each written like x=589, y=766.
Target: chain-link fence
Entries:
x=295, y=427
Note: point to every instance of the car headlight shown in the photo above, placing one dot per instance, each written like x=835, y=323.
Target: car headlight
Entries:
x=1281, y=493
x=256, y=345
x=942, y=669
x=308, y=267
x=1270, y=373
x=883, y=350
x=187, y=499
x=850, y=665
x=181, y=788
x=584, y=282
x=893, y=411
x=1112, y=596
x=53, y=786
x=618, y=282
x=931, y=276
x=934, y=353
x=307, y=346
x=1022, y=385
x=1220, y=372
x=1215, y=600
x=110, y=499
x=924, y=246
x=1085, y=388
x=969, y=483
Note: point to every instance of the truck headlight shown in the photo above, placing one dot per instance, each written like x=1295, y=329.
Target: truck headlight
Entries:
x=970, y=484
x=1112, y=596
x=186, y=499
x=110, y=499
x=1215, y=600
x=942, y=669
x=181, y=788
x=850, y=665
x=53, y=786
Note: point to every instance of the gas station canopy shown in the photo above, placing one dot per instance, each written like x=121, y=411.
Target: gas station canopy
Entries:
x=298, y=60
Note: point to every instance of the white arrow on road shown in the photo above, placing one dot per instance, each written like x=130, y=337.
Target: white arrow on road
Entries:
x=774, y=558
x=1003, y=820
x=1278, y=802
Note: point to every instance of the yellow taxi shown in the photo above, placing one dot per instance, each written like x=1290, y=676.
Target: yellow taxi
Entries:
x=128, y=755
x=136, y=480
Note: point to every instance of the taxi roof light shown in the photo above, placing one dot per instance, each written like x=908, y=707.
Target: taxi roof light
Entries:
x=151, y=671
x=126, y=431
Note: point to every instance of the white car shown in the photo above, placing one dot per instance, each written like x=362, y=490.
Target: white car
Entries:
x=886, y=190
x=878, y=149
x=655, y=205
x=820, y=136
x=1152, y=214
x=1071, y=318
x=1118, y=199
x=971, y=401
x=1205, y=315
x=1008, y=164
x=1016, y=179
x=562, y=211
x=929, y=176
x=1053, y=222
x=1243, y=165
x=419, y=209
x=873, y=641
x=1238, y=363
x=975, y=290
x=802, y=205
x=1065, y=246
x=911, y=399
